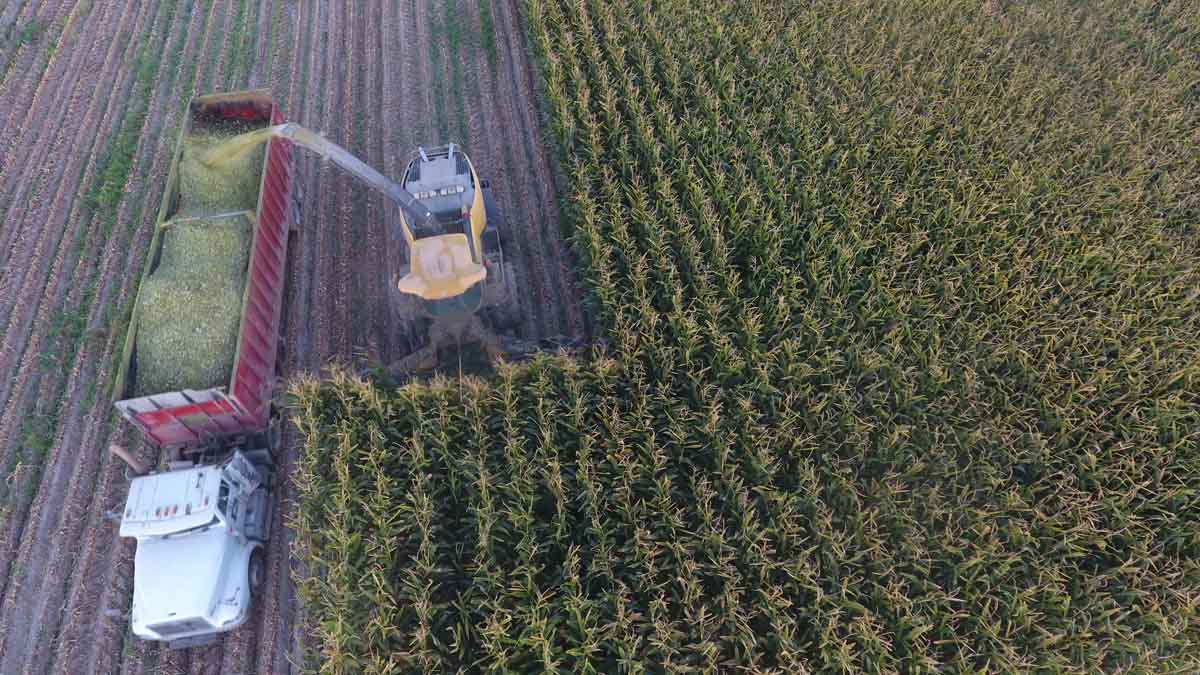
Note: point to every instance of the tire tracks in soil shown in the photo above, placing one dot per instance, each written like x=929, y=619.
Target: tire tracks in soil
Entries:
x=340, y=214
x=26, y=377
x=263, y=39
x=205, y=55
x=375, y=251
x=440, y=112
x=40, y=133
x=250, y=38
x=299, y=277
x=153, y=154
x=265, y=57
x=319, y=291
x=27, y=68
x=282, y=55
x=26, y=616
x=550, y=232
x=16, y=93
x=518, y=198
x=423, y=127
x=216, y=79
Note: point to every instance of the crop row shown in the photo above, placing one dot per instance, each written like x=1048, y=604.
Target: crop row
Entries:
x=901, y=369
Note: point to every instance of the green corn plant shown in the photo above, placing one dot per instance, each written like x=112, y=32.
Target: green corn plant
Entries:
x=900, y=371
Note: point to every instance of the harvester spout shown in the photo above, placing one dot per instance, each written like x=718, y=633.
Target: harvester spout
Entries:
x=307, y=138
x=329, y=150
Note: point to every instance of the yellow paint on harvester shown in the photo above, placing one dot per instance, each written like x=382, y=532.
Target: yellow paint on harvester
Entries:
x=442, y=267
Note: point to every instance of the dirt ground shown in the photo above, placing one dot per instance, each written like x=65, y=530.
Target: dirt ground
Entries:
x=91, y=94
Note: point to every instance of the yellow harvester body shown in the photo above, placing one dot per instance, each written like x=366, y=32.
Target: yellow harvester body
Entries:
x=451, y=261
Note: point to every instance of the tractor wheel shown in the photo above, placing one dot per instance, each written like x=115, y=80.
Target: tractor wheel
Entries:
x=275, y=434
x=504, y=310
x=495, y=218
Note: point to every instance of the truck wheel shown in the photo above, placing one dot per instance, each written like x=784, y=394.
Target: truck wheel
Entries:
x=257, y=571
x=274, y=435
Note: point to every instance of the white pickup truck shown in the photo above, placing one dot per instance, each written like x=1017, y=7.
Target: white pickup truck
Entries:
x=200, y=533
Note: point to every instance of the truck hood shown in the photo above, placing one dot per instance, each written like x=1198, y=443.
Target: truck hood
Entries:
x=178, y=577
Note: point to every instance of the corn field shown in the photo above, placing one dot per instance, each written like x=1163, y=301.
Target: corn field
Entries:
x=900, y=371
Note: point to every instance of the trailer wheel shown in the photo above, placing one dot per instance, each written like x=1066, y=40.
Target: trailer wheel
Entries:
x=274, y=434
x=257, y=572
x=297, y=203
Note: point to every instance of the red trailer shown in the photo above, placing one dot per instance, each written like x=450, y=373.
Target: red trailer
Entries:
x=189, y=420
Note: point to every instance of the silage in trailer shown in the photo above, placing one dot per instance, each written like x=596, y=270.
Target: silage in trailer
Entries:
x=189, y=309
x=230, y=185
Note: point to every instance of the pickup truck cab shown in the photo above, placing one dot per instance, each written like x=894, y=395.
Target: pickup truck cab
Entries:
x=200, y=533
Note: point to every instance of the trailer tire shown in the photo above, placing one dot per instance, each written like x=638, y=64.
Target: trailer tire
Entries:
x=274, y=434
x=257, y=570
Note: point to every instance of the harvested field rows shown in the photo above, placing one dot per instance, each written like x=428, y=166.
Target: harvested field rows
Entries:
x=91, y=94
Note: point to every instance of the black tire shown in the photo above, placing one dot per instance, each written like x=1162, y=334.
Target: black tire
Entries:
x=491, y=208
x=280, y=355
x=297, y=205
x=274, y=434
x=256, y=570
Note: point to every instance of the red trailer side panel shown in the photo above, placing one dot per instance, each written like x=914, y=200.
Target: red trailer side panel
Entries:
x=254, y=371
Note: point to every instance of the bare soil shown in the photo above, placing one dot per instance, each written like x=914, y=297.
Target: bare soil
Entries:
x=363, y=73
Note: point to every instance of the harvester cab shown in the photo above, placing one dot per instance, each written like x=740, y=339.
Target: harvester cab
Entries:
x=445, y=256
x=456, y=265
